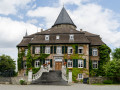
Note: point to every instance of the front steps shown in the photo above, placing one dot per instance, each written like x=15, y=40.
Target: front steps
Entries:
x=50, y=78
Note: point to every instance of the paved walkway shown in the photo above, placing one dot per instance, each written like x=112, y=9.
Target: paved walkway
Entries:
x=72, y=87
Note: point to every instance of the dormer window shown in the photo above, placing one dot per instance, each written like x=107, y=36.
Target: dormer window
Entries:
x=72, y=37
x=46, y=37
x=57, y=37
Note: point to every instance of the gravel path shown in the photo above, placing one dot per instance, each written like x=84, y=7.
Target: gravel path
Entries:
x=72, y=87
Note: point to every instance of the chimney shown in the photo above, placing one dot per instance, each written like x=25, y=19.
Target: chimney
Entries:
x=41, y=30
x=81, y=30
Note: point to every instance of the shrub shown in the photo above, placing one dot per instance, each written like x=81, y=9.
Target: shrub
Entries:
x=22, y=82
x=107, y=81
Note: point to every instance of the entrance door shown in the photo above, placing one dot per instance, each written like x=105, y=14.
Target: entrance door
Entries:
x=58, y=65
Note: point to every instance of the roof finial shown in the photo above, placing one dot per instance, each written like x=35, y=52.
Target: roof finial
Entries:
x=26, y=33
x=63, y=4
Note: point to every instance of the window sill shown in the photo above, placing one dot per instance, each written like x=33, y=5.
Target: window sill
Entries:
x=80, y=67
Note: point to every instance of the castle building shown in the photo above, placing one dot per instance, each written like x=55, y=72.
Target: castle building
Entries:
x=65, y=47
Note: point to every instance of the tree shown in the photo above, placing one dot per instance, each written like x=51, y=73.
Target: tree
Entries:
x=112, y=69
x=7, y=64
x=116, y=53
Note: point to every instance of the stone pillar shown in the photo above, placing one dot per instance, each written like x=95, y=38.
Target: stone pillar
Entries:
x=30, y=76
x=70, y=77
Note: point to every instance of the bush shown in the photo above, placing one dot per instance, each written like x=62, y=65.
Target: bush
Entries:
x=22, y=82
x=107, y=81
x=35, y=70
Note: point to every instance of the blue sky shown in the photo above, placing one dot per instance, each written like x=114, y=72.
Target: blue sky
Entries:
x=101, y=17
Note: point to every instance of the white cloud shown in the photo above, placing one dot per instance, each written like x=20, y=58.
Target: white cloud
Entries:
x=10, y=6
x=91, y=17
x=32, y=21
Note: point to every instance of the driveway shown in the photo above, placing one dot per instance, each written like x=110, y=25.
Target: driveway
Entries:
x=72, y=87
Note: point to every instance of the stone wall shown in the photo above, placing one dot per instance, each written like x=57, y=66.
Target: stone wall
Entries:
x=94, y=80
x=5, y=80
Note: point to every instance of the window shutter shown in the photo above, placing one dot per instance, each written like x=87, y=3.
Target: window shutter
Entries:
x=63, y=49
x=90, y=51
x=43, y=49
x=84, y=63
x=66, y=62
x=74, y=63
x=50, y=62
x=40, y=49
x=51, y=50
x=43, y=61
x=76, y=49
x=33, y=50
x=33, y=63
x=54, y=49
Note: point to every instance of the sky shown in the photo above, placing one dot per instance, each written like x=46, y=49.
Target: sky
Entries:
x=100, y=17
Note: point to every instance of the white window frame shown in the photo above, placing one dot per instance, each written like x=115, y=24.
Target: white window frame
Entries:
x=80, y=47
x=37, y=50
x=95, y=52
x=69, y=48
x=47, y=50
x=57, y=37
x=59, y=50
x=95, y=63
x=71, y=37
x=37, y=64
x=47, y=61
x=26, y=50
x=80, y=76
x=80, y=63
x=46, y=37
x=71, y=62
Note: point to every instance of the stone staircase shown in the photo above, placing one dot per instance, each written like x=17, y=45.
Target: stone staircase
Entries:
x=50, y=78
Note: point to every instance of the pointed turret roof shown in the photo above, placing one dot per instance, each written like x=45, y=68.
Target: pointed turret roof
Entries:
x=64, y=18
x=26, y=33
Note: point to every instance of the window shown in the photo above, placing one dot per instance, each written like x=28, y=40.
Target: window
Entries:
x=46, y=37
x=26, y=50
x=24, y=65
x=59, y=50
x=57, y=37
x=80, y=63
x=71, y=37
x=95, y=64
x=70, y=50
x=70, y=64
x=47, y=50
x=37, y=64
x=80, y=50
x=37, y=50
x=95, y=52
x=47, y=61
x=80, y=76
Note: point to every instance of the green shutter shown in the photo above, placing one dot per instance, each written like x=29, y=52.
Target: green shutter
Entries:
x=76, y=49
x=43, y=61
x=62, y=49
x=66, y=62
x=40, y=49
x=33, y=63
x=54, y=49
x=43, y=49
x=51, y=50
x=74, y=63
x=65, y=49
x=50, y=62
x=90, y=51
x=33, y=50
x=84, y=63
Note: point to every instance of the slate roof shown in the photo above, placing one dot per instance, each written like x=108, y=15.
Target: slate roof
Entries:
x=80, y=37
x=64, y=18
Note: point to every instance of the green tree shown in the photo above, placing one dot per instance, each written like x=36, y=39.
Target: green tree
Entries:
x=112, y=69
x=116, y=53
x=6, y=64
